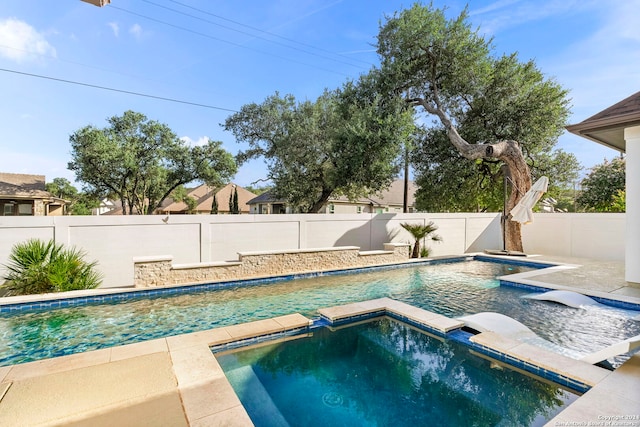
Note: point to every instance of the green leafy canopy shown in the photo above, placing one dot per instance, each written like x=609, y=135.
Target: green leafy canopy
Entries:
x=142, y=161
x=603, y=188
x=450, y=69
x=347, y=142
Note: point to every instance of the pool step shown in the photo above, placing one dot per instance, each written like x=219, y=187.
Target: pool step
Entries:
x=255, y=398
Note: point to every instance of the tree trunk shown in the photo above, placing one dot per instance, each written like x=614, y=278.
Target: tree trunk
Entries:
x=322, y=200
x=124, y=205
x=416, y=249
x=507, y=151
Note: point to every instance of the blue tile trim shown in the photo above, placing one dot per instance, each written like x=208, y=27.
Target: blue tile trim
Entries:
x=625, y=305
x=319, y=322
x=563, y=380
x=463, y=337
x=617, y=304
x=515, y=261
x=419, y=325
x=258, y=339
x=354, y=318
x=524, y=286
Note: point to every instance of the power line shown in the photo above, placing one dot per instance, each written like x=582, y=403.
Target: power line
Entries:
x=223, y=40
x=118, y=90
x=269, y=33
x=56, y=58
x=254, y=35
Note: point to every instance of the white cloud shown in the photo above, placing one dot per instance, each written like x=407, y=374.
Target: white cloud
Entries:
x=602, y=69
x=504, y=14
x=115, y=28
x=20, y=42
x=203, y=140
x=497, y=5
x=136, y=31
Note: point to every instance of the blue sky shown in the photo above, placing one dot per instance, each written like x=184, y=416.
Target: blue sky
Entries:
x=228, y=53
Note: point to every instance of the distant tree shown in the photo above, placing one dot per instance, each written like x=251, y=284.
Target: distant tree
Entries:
x=619, y=202
x=214, y=205
x=84, y=204
x=233, y=202
x=79, y=203
x=602, y=185
x=257, y=190
x=346, y=142
x=62, y=188
x=141, y=161
x=181, y=194
x=235, y=208
x=565, y=200
x=446, y=69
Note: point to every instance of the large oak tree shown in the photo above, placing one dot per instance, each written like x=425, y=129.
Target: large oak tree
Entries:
x=447, y=70
x=346, y=142
x=142, y=161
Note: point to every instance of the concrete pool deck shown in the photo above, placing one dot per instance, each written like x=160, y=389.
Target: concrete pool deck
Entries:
x=177, y=381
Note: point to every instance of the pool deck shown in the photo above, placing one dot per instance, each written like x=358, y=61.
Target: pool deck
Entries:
x=176, y=381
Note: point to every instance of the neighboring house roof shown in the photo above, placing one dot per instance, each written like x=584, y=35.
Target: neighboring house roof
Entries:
x=23, y=186
x=204, y=198
x=607, y=127
x=266, y=197
x=393, y=196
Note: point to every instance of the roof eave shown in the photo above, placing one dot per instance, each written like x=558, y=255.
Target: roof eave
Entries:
x=604, y=142
x=590, y=128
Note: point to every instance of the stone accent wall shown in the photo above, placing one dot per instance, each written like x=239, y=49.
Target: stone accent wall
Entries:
x=160, y=271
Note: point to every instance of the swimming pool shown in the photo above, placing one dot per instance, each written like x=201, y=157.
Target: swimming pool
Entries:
x=452, y=289
x=384, y=372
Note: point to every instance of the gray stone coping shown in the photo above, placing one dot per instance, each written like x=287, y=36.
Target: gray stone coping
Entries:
x=205, y=265
x=300, y=251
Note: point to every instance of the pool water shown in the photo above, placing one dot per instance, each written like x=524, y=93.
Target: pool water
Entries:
x=384, y=373
x=452, y=289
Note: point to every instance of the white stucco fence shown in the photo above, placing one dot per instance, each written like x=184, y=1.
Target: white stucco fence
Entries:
x=115, y=241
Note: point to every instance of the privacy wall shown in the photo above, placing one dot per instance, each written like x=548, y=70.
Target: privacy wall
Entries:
x=115, y=241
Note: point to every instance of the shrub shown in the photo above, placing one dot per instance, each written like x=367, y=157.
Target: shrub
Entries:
x=420, y=232
x=37, y=267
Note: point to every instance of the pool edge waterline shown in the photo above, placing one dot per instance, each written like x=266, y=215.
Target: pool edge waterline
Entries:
x=27, y=303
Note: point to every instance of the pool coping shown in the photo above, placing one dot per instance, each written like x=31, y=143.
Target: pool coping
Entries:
x=15, y=304
x=208, y=398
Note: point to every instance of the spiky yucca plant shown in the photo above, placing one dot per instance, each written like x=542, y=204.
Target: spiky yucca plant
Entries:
x=420, y=232
x=37, y=267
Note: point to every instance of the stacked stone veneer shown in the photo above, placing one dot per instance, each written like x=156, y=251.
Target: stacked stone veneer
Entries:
x=160, y=271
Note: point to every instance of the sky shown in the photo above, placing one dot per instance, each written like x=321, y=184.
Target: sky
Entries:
x=66, y=64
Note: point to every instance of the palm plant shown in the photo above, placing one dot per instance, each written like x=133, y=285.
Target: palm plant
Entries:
x=420, y=232
x=38, y=267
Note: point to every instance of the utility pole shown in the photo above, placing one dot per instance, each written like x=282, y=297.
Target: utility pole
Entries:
x=405, y=202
